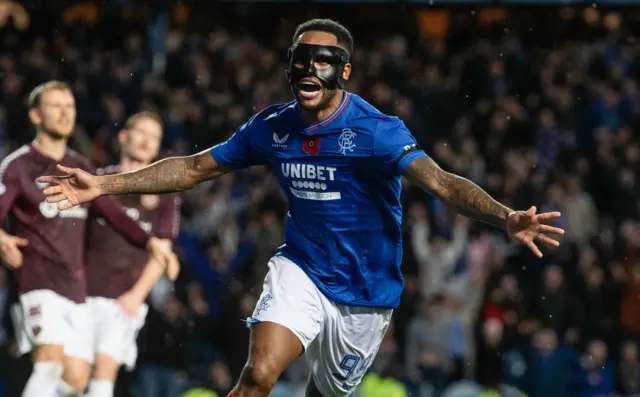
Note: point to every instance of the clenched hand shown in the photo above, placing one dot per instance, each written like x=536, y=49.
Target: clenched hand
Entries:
x=162, y=253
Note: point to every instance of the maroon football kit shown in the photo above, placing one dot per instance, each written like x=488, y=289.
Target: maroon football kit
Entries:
x=113, y=263
x=54, y=258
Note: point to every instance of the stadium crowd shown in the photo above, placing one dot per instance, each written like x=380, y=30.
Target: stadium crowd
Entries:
x=537, y=106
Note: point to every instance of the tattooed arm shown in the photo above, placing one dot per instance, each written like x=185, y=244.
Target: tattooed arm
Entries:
x=462, y=195
x=466, y=198
x=174, y=174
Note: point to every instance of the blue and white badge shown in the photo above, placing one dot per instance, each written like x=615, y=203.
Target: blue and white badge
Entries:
x=346, y=141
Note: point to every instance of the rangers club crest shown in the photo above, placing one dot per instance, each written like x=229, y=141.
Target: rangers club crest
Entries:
x=150, y=201
x=346, y=141
x=263, y=305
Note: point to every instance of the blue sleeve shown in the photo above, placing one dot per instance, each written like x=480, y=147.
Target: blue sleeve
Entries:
x=394, y=146
x=242, y=149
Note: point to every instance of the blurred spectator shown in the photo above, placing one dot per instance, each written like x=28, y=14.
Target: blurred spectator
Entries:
x=580, y=213
x=434, y=341
x=548, y=140
x=437, y=258
x=594, y=377
x=628, y=379
x=162, y=362
x=506, y=304
x=490, y=349
x=551, y=367
x=556, y=308
x=601, y=321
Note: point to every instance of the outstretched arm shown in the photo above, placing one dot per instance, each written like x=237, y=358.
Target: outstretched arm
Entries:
x=467, y=198
x=462, y=195
x=174, y=174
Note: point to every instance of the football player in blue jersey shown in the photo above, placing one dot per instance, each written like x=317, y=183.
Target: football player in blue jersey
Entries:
x=332, y=287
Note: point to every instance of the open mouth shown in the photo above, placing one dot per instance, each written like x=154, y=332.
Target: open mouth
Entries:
x=308, y=89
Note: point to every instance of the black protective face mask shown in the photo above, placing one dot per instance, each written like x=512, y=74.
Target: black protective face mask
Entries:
x=308, y=54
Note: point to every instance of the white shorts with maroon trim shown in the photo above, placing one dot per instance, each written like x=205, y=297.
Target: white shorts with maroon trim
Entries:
x=340, y=341
x=115, y=333
x=43, y=317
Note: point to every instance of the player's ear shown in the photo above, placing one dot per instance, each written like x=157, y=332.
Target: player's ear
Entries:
x=346, y=72
x=34, y=116
x=122, y=137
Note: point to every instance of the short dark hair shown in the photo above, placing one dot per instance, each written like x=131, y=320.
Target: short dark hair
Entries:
x=33, y=101
x=344, y=37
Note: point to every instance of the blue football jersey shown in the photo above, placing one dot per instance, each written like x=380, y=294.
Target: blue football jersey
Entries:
x=342, y=177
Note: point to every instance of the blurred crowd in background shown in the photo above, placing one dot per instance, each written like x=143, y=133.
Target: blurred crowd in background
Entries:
x=538, y=106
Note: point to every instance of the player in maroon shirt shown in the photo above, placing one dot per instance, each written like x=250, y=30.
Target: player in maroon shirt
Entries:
x=111, y=257
x=45, y=250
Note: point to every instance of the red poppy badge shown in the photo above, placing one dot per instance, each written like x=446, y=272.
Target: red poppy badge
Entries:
x=311, y=145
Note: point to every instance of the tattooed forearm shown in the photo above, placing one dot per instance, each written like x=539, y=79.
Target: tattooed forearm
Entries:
x=464, y=196
x=169, y=175
x=174, y=174
x=470, y=200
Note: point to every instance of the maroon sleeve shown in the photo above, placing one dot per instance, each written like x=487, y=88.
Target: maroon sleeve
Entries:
x=9, y=188
x=169, y=218
x=114, y=213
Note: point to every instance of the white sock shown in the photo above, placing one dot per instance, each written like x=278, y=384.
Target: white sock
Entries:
x=63, y=389
x=43, y=380
x=100, y=388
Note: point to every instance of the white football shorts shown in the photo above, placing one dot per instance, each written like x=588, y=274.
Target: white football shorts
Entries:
x=340, y=341
x=115, y=333
x=43, y=317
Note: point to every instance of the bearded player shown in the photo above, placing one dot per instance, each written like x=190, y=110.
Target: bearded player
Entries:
x=117, y=306
x=331, y=288
x=46, y=247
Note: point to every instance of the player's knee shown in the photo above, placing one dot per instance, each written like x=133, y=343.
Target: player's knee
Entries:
x=262, y=371
x=78, y=381
x=77, y=376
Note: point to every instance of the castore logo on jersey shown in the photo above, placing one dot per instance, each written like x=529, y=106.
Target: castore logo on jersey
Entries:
x=279, y=142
